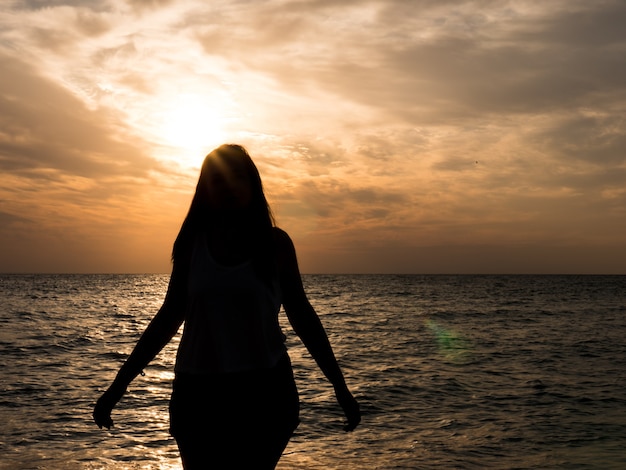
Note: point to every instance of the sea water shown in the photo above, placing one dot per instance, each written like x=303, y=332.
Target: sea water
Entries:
x=452, y=372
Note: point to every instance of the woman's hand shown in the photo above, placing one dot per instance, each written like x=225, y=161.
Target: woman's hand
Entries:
x=105, y=404
x=350, y=407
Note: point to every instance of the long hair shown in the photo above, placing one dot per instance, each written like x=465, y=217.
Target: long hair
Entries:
x=259, y=214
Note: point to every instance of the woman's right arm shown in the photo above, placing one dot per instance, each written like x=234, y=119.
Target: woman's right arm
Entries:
x=307, y=325
x=157, y=334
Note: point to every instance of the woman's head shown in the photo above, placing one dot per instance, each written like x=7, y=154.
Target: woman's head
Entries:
x=229, y=180
x=229, y=183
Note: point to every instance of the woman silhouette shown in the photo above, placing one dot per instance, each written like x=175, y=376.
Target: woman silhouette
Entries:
x=234, y=400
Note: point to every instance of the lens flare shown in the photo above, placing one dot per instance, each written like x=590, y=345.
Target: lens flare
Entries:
x=450, y=344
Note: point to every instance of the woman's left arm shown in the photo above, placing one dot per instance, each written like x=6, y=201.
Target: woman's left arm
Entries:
x=158, y=333
x=307, y=325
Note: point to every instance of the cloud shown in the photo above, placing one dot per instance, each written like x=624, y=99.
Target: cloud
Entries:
x=380, y=127
x=46, y=128
x=598, y=139
x=70, y=175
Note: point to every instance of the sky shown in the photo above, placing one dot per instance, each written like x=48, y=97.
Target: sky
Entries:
x=392, y=136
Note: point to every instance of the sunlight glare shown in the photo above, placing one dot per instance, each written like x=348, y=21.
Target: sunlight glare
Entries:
x=192, y=125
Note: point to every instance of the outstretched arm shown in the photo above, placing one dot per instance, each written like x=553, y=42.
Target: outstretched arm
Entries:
x=307, y=325
x=157, y=334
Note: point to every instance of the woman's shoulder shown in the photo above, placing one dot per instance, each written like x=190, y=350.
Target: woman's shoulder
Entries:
x=281, y=237
x=285, y=250
x=288, y=270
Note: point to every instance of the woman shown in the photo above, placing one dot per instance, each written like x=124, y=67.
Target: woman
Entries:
x=234, y=398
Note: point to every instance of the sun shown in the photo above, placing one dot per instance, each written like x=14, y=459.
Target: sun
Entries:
x=191, y=125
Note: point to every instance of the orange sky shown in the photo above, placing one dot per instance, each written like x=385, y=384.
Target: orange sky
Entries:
x=392, y=136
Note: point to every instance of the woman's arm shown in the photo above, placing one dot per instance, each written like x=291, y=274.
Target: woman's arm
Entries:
x=157, y=334
x=307, y=325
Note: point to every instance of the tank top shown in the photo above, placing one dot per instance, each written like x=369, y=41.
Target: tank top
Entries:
x=231, y=322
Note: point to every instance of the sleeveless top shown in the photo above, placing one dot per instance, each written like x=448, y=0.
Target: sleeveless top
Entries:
x=231, y=322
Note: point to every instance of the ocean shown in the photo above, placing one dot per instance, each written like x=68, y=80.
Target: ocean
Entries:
x=452, y=372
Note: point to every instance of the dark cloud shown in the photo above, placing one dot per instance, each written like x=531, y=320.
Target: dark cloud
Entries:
x=149, y=4
x=581, y=26
x=59, y=31
x=598, y=140
x=45, y=127
x=332, y=197
x=473, y=59
x=7, y=219
x=461, y=75
x=90, y=23
x=98, y=5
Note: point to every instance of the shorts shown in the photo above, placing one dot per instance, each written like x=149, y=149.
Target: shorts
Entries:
x=232, y=415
